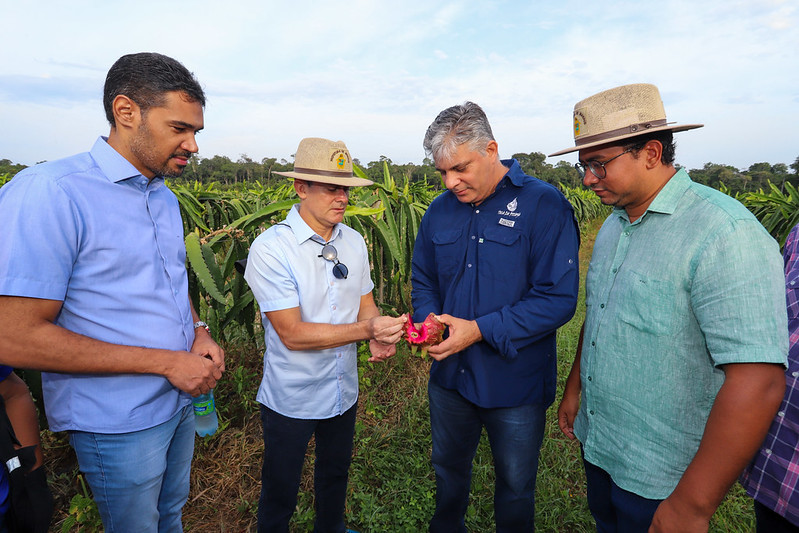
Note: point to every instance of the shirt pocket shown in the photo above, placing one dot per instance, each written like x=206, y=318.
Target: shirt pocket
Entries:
x=449, y=250
x=648, y=304
x=500, y=256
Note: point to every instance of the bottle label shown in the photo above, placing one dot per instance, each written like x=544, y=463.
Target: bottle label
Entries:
x=204, y=408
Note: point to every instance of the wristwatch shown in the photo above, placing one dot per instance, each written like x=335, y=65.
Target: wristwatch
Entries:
x=201, y=324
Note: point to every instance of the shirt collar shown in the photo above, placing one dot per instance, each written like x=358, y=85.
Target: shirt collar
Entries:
x=111, y=163
x=514, y=173
x=302, y=231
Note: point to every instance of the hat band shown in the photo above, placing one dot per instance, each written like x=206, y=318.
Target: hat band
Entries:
x=331, y=173
x=632, y=128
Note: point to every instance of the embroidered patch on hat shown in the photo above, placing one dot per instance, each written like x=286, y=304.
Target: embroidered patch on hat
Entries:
x=340, y=157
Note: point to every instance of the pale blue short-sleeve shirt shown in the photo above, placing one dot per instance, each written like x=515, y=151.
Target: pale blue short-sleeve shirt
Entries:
x=285, y=270
x=92, y=232
x=693, y=284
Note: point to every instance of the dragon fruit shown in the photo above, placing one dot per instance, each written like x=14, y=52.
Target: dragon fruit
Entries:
x=431, y=332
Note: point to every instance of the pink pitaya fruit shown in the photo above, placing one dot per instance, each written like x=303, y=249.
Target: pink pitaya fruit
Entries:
x=431, y=332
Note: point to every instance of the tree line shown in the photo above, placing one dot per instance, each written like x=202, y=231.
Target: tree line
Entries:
x=223, y=170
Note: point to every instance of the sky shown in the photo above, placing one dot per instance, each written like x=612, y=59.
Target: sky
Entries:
x=376, y=73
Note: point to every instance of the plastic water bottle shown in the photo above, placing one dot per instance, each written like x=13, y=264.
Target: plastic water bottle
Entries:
x=205, y=420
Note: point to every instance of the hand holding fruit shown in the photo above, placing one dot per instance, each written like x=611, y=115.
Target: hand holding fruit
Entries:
x=429, y=333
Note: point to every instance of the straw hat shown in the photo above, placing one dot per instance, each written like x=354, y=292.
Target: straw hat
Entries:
x=324, y=161
x=620, y=113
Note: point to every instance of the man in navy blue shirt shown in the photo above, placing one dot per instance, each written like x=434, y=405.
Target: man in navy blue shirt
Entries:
x=496, y=259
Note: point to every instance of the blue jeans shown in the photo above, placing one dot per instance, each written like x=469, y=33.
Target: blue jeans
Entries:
x=515, y=435
x=285, y=443
x=614, y=509
x=140, y=480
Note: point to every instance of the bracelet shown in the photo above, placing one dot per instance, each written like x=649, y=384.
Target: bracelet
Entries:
x=201, y=324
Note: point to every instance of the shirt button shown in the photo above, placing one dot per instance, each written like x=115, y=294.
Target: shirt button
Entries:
x=781, y=414
x=473, y=237
x=331, y=283
x=476, y=210
x=768, y=452
x=334, y=308
x=589, y=378
x=462, y=371
x=571, y=261
x=593, y=343
x=615, y=270
x=591, y=411
x=601, y=306
x=469, y=265
x=795, y=374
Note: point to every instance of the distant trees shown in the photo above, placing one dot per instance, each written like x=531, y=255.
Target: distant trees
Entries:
x=223, y=170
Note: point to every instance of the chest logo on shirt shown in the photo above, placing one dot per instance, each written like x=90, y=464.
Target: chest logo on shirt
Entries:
x=511, y=212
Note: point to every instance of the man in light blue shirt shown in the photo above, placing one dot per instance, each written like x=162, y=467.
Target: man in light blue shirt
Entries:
x=679, y=371
x=94, y=291
x=310, y=276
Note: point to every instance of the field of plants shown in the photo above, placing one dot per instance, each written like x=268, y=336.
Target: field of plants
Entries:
x=392, y=487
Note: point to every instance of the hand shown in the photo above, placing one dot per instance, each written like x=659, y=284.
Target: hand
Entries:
x=380, y=351
x=462, y=334
x=567, y=411
x=387, y=329
x=674, y=516
x=204, y=345
x=192, y=373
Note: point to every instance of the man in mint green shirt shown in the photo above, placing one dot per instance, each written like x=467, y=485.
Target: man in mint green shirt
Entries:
x=680, y=365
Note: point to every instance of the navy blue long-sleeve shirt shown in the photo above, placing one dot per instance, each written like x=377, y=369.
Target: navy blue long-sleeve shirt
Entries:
x=510, y=264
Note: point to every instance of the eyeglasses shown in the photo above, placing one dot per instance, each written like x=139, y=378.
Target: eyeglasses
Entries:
x=597, y=168
x=330, y=253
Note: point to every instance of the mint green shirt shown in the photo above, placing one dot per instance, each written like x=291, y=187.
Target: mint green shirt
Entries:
x=693, y=284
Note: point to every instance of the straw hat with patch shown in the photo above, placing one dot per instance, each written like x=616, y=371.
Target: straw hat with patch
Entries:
x=324, y=161
x=618, y=114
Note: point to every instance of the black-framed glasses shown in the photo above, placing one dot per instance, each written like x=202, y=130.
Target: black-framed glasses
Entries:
x=330, y=253
x=597, y=168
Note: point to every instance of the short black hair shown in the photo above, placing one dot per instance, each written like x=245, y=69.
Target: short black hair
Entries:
x=145, y=78
x=666, y=139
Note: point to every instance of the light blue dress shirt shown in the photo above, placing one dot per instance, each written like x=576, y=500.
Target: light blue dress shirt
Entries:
x=92, y=232
x=693, y=284
x=285, y=270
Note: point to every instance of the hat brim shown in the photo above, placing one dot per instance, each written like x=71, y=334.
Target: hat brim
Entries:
x=344, y=181
x=611, y=140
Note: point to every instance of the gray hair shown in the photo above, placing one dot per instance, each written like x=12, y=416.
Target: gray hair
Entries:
x=460, y=124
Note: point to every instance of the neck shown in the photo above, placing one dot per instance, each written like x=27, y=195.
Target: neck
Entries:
x=634, y=212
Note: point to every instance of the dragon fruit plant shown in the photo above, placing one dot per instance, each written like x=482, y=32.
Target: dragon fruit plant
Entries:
x=431, y=332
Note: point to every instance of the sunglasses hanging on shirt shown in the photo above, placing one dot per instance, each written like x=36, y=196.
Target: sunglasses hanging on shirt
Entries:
x=329, y=253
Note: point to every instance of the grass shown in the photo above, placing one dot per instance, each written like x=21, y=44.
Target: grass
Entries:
x=392, y=487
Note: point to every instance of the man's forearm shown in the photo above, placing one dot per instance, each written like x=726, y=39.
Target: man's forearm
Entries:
x=736, y=427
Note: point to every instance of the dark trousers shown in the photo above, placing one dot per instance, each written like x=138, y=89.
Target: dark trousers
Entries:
x=770, y=522
x=515, y=435
x=285, y=443
x=614, y=509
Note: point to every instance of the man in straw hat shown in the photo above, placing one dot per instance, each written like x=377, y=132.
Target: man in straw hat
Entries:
x=680, y=362
x=310, y=276
x=496, y=258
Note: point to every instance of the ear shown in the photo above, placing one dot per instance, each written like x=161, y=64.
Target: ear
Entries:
x=492, y=149
x=126, y=112
x=652, y=152
x=301, y=188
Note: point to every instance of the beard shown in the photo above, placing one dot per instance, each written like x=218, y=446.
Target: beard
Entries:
x=144, y=148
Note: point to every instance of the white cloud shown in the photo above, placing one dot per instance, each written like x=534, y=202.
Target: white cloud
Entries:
x=374, y=74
